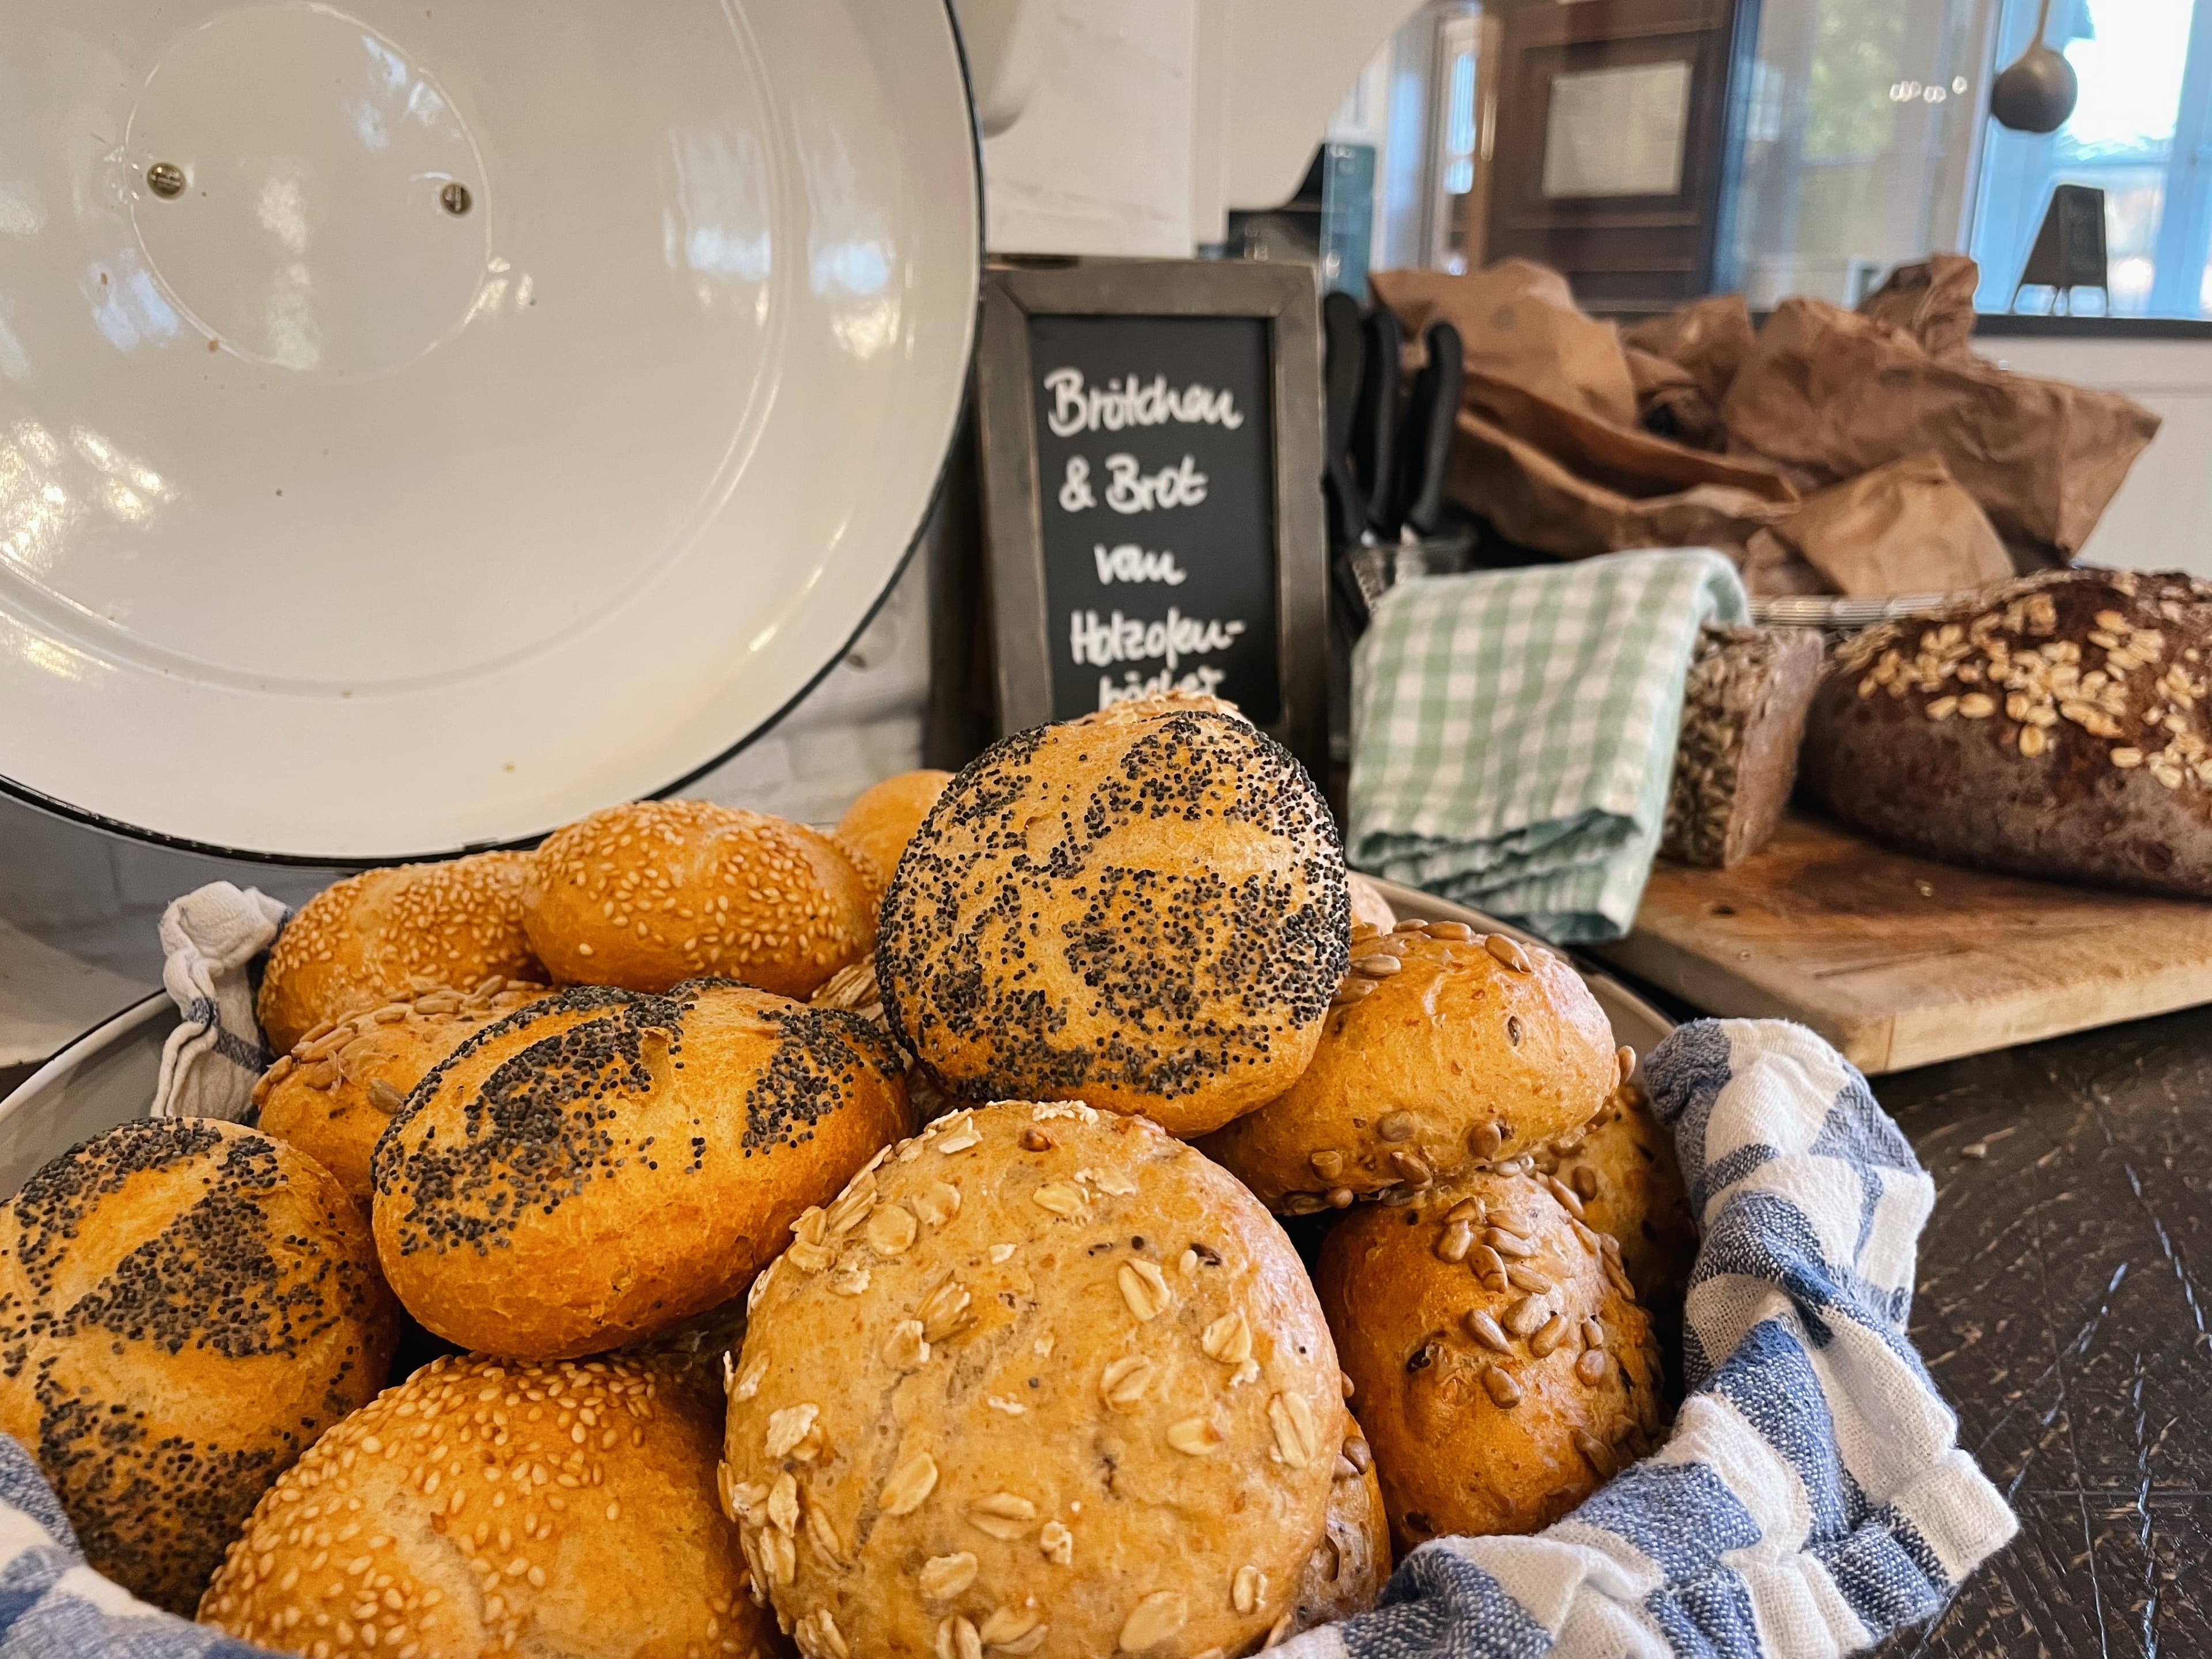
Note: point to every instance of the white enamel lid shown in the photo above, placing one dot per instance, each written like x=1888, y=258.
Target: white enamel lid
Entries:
x=421, y=424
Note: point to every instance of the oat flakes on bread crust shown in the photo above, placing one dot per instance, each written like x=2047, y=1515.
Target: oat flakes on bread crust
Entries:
x=1041, y=1381
x=2059, y=725
x=185, y=1304
x=365, y=940
x=1147, y=910
x=1446, y=1051
x=1348, y=1568
x=1503, y=1370
x=602, y=1164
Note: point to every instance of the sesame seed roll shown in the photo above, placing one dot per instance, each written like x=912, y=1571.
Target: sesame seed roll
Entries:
x=651, y=893
x=488, y=1507
x=365, y=940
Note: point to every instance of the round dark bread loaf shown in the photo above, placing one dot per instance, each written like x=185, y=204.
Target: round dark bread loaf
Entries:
x=2053, y=726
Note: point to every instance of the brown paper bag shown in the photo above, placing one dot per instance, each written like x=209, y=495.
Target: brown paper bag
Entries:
x=1903, y=528
x=1568, y=483
x=1772, y=569
x=1833, y=394
x=1709, y=338
x=1670, y=402
x=1932, y=301
x=1518, y=321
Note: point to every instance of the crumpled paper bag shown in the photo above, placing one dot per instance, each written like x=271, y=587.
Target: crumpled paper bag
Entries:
x=1903, y=528
x=1831, y=394
x=1556, y=478
x=1708, y=339
x=1670, y=402
x=1932, y=301
x=1518, y=321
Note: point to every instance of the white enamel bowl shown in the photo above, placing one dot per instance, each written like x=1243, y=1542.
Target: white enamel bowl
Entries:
x=422, y=424
x=107, y=1075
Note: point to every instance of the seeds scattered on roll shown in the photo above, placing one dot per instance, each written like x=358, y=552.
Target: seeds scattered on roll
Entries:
x=1145, y=910
x=185, y=1304
x=602, y=1164
x=341, y=1085
x=649, y=894
x=1043, y=1380
x=1499, y=1391
x=1444, y=1052
x=487, y=1506
x=880, y=824
x=361, y=942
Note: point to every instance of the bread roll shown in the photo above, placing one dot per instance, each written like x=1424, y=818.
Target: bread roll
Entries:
x=1446, y=1051
x=1736, y=758
x=373, y=937
x=856, y=988
x=2059, y=727
x=1503, y=1367
x=1369, y=907
x=651, y=894
x=1623, y=1178
x=602, y=1164
x=1348, y=1568
x=1045, y=1380
x=332, y=1096
x=488, y=1506
x=884, y=819
x=185, y=1304
x=1146, y=912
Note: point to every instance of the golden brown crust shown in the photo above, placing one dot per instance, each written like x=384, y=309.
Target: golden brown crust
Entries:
x=1348, y=1568
x=1369, y=909
x=1474, y=1375
x=1445, y=1052
x=649, y=894
x=184, y=1305
x=1623, y=1178
x=363, y=941
x=1044, y=1380
x=332, y=1096
x=1145, y=912
x=488, y=1506
x=883, y=819
x=602, y=1164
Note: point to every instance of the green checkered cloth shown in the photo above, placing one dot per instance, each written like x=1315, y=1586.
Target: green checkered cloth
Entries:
x=1513, y=732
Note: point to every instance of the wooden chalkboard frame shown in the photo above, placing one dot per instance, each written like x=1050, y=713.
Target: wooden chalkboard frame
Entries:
x=1285, y=298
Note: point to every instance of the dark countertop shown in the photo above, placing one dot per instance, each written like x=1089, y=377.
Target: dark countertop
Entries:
x=2062, y=1309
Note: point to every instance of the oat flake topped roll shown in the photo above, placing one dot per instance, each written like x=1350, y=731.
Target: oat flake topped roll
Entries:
x=1041, y=1381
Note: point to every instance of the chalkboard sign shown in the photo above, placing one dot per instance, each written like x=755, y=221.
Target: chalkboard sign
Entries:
x=1150, y=450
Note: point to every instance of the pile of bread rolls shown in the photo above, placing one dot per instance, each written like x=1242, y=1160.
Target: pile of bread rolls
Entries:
x=864, y=1241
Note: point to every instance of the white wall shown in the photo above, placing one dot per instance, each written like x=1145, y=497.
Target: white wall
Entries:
x=1100, y=161
x=2159, y=519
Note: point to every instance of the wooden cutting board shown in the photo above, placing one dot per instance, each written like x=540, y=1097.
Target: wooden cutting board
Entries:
x=1901, y=962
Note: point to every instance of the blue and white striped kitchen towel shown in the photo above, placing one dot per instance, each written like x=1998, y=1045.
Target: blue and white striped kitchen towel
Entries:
x=1812, y=1499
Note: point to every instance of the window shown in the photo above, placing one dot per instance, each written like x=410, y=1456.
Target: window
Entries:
x=2137, y=134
